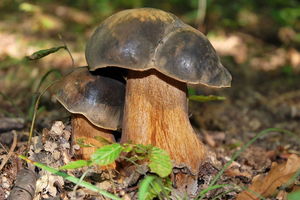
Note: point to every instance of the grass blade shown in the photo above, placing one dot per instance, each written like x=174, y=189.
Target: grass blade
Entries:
x=72, y=179
x=76, y=164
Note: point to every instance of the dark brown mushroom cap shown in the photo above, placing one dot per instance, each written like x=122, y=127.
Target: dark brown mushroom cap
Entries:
x=145, y=38
x=99, y=98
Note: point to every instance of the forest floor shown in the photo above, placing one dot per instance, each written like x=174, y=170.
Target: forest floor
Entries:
x=265, y=94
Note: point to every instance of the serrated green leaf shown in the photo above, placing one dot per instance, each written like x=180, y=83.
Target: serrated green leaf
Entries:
x=142, y=149
x=150, y=187
x=127, y=148
x=160, y=162
x=76, y=164
x=202, y=98
x=42, y=53
x=106, y=154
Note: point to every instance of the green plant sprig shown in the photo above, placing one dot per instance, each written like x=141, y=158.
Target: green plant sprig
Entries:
x=72, y=179
x=151, y=186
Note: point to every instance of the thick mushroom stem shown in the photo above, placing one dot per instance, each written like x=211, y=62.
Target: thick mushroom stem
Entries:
x=156, y=112
x=83, y=129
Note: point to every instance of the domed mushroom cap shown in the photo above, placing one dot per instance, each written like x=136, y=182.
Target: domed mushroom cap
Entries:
x=99, y=98
x=145, y=38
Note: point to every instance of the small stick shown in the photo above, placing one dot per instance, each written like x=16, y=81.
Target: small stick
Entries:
x=25, y=185
x=3, y=147
x=201, y=12
x=11, y=151
x=67, y=49
x=36, y=106
x=112, y=182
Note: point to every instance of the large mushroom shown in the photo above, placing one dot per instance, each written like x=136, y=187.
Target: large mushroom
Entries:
x=96, y=102
x=162, y=55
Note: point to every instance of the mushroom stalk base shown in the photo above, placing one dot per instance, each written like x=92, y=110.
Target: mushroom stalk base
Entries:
x=156, y=112
x=83, y=129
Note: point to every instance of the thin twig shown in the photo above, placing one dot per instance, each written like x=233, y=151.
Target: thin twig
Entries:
x=112, y=182
x=201, y=12
x=24, y=187
x=3, y=147
x=67, y=49
x=11, y=151
x=35, y=113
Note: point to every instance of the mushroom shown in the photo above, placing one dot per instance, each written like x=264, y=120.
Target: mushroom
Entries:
x=96, y=102
x=162, y=55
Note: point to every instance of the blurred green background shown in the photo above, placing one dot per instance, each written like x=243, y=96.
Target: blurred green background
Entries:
x=262, y=18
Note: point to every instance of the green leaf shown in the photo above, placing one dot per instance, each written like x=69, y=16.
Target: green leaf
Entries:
x=76, y=164
x=107, y=154
x=72, y=179
x=127, y=148
x=142, y=149
x=150, y=187
x=160, y=162
x=294, y=195
x=202, y=98
x=42, y=53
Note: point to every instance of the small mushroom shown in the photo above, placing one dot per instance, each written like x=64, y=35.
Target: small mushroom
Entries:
x=162, y=55
x=96, y=102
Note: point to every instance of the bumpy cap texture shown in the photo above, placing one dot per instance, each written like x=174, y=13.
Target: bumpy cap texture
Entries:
x=99, y=98
x=145, y=38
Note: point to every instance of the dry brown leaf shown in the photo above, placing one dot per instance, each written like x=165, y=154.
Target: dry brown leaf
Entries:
x=282, y=195
x=232, y=45
x=209, y=139
x=294, y=57
x=234, y=172
x=266, y=185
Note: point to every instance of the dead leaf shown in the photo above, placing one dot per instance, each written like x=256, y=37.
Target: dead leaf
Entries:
x=266, y=185
x=282, y=195
x=213, y=137
x=209, y=139
x=271, y=60
x=235, y=172
x=232, y=45
x=294, y=57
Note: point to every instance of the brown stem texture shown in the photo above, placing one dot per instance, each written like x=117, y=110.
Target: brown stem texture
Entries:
x=156, y=112
x=83, y=129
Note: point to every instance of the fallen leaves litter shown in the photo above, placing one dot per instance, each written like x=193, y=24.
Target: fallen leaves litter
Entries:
x=266, y=185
